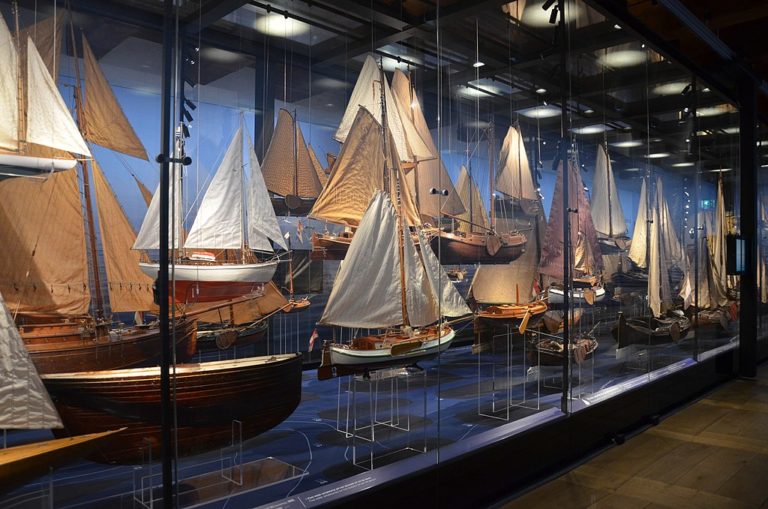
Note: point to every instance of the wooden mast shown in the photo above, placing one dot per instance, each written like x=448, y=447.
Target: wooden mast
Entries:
x=86, y=182
x=491, y=177
x=21, y=121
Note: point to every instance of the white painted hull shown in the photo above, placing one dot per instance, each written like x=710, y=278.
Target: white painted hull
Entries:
x=24, y=166
x=225, y=273
x=577, y=296
x=342, y=356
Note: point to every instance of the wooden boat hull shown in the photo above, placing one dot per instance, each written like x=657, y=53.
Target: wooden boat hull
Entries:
x=328, y=246
x=577, y=298
x=24, y=463
x=459, y=248
x=222, y=338
x=369, y=353
x=549, y=352
x=74, y=346
x=514, y=313
x=260, y=392
x=649, y=331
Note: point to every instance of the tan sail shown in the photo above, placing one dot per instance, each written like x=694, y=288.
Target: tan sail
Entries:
x=146, y=194
x=664, y=252
x=241, y=311
x=514, y=177
x=287, y=166
x=357, y=175
x=103, y=121
x=43, y=268
x=321, y=175
x=9, y=90
x=606, y=208
x=717, y=241
x=129, y=289
x=474, y=218
x=638, y=250
x=430, y=173
x=47, y=37
x=510, y=283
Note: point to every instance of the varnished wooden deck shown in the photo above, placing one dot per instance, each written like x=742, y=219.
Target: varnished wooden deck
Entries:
x=712, y=454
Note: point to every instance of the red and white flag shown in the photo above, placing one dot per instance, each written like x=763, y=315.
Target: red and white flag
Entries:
x=312, y=339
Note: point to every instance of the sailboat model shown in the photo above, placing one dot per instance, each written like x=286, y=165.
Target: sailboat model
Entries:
x=582, y=243
x=37, y=133
x=289, y=169
x=45, y=274
x=662, y=251
x=221, y=224
x=385, y=283
x=607, y=214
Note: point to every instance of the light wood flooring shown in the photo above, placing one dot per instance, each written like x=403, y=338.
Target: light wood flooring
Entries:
x=712, y=454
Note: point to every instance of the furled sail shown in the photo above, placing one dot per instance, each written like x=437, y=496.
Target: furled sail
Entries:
x=583, y=238
x=9, y=90
x=129, y=288
x=451, y=303
x=357, y=174
x=639, y=246
x=367, y=290
x=474, y=218
x=262, y=222
x=606, y=208
x=103, y=121
x=49, y=122
x=321, y=175
x=514, y=176
x=429, y=173
x=43, y=268
x=287, y=166
x=23, y=398
x=367, y=94
x=219, y=220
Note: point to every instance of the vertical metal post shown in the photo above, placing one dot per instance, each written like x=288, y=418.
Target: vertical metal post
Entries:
x=566, y=206
x=166, y=132
x=749, y=228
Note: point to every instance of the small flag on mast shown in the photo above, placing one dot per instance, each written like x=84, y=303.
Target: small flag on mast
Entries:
x=312, y=339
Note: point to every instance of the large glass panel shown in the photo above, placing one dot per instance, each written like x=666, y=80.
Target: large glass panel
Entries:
x=762, y=182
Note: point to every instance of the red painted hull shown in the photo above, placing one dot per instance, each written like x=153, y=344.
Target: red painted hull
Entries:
x=190, y=292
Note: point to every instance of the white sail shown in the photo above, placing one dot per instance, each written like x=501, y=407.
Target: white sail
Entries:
x=656, y=263
x=9, y=90
x=421, y=300
x=262, y=222
x=514, y=177
x=49, y=122
x=673, y=249
x=717, y=243
x=367, y=291
x=451, y=302
x=219, y=220
x=367, y=93
x=638, y=248
x=149, y=234
x=606, y=209
x=23, y=398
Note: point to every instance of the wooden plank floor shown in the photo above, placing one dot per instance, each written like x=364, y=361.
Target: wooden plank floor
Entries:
x=712, y=454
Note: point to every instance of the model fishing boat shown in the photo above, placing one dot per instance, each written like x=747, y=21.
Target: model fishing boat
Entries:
x=45, y=274
x=260, y=392
x=227, y=220
x=289, y=169
x=28, y=406
x=650, y=330
x=37, y=134
x=585, y=287
x=358, y=170
x=549, y=351
x=607, y=214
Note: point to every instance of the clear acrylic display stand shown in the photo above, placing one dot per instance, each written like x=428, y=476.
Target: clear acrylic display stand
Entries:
x=500, y=373
x=370, y=414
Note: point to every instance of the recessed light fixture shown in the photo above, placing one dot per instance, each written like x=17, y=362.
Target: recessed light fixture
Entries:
x=672, y=88
x=473, y=92
x=591, y=129
x=764, y=165
x=280, y=26
x=541, y=90
x=658, y=155
x=617, y=26
x=478, y=64
x=623, y=58
x=540, y=112
x=731, y=130
x=632, y=169
x=589, y=111
x=705, y=89
x=628, y=143
x=721, y=170
x=220, y=55
x=683, y=165
x=711, y=111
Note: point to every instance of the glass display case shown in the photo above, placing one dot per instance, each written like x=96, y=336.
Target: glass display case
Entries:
x=400, y=238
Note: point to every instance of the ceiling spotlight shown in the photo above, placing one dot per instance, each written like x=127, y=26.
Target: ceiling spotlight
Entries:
x=478, y=64
x=541, y=90
x=617, y=26
x=658, y=155
x=589, y=111
x=683, y=165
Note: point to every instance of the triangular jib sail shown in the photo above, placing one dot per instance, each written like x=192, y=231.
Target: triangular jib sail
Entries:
x=474, y=218
x=514, y=177
x=606, y=208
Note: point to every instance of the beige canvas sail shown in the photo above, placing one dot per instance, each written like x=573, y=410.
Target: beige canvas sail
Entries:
x=129, y=288
x=241, y=311
x=321, y=175
x=9, y=90
x=23, y=398
x=287, y=166
x=717, y=242
x=514, y=177
x=43, y=268
x=47, y=37
x=474, y=218
x=103, y=121
x=146, y=194
x=638, y=250
x=510, y=283
x=606, y=208
x=429, y=173
x=451, y=303
x=262, y=225
x=420, y=298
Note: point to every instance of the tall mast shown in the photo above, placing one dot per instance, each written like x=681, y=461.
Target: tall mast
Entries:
x=86, y=183
x=295, y=153
x=604, y=148
x=20, y=124
x=491, y=177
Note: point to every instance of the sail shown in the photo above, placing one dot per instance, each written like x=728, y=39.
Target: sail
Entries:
x=219, y=220
x=287, y=166
x=708, y=294
x=129, y=288
x=321, y=175
x=146, y=194
x=673, y=250
x=9, y=90
x=514, y=177
x=717, y=243
x=243, y=310
x=23, y=398
x=474, y=218
x=357, y=175
x=583, y=237
x=367, y=291
x=262, y=222
x=420, y=297
x=606, y=209
x=44, y=267
x=451, y=303
x=427, y=174
x=46, y=35
x=149, y=233
x=762, y=275
x=103, y=121
x=510, y=283
x=658, y=279
x=638, y=248
x=367, y=94
x=49, y=122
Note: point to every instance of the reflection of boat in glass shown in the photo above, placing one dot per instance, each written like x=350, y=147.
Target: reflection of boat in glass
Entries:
x=260, y=392
x=549, y=351
x=650, y=330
